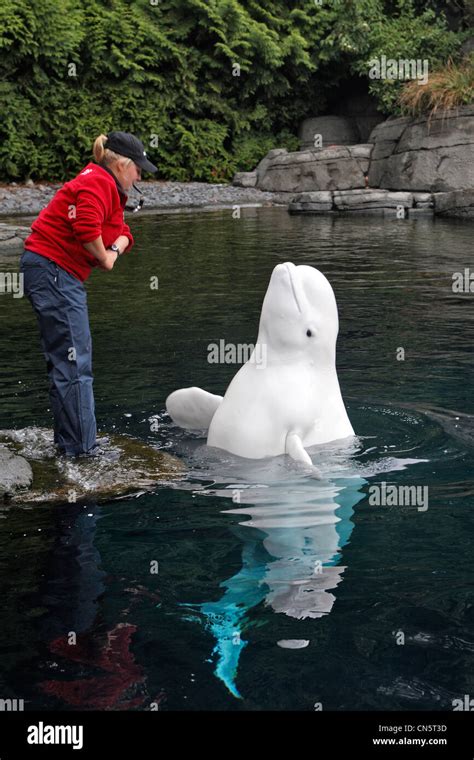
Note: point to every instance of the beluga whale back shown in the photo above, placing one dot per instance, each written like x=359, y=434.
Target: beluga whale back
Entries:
x=286, y=397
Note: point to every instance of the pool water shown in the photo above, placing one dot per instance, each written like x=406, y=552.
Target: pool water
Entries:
x=251, y=585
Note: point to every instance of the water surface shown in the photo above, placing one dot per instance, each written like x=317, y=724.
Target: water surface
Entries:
x=274, y=590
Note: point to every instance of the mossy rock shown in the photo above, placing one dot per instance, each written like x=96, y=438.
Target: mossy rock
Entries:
x=126, y=466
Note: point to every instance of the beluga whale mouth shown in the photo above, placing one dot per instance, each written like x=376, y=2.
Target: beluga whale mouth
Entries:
x=291, y=270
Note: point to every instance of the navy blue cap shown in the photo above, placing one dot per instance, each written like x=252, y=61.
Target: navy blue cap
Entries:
x=129, y=146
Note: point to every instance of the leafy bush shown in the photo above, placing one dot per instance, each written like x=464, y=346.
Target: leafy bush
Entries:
x=208, y=85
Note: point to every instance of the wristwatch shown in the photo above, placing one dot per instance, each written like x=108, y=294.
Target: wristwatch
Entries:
x=116, y=249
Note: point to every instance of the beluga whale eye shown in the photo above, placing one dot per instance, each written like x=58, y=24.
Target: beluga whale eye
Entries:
x=309, y=333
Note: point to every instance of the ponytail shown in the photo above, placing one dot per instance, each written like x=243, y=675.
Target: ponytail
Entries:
x=98, y=151
x=104, y=156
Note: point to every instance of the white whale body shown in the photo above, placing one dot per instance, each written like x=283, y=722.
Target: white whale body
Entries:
x=290, y=400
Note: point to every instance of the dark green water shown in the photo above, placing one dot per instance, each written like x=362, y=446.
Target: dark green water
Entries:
x=301, y=560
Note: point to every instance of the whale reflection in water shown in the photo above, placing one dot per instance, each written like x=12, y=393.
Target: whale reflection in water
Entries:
x=292, y=531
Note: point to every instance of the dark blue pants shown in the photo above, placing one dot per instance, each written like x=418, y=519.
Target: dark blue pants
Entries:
x=60, y=304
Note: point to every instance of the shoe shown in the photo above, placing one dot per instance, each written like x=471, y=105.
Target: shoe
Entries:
x=99, y=451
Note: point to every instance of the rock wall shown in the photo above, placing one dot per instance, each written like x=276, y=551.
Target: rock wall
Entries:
x=434, y=155
x=431, y=156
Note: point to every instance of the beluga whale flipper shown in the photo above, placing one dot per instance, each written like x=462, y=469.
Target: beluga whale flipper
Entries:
x=286, y=397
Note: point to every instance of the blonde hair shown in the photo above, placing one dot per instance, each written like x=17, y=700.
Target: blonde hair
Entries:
x=105, y=156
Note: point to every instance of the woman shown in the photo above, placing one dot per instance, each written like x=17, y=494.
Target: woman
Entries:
x=82, y=227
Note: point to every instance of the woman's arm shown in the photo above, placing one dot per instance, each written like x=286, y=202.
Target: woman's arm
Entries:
x=105, y=257
x=122, y=242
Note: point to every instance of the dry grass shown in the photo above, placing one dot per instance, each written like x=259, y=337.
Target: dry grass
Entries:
x=446, y=89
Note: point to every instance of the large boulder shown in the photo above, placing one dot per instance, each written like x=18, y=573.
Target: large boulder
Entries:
x=15, y=472
x=299, y=171
x=245, y=179
x=426, y=154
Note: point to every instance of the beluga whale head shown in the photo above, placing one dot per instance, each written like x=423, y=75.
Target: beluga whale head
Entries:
x=299, y=316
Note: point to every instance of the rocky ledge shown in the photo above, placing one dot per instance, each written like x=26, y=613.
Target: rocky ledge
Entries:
x=30, y=198
x=12, y=237
x=31, y=472
x=370, y=201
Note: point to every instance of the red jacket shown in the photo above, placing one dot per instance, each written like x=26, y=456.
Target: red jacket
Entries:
x=84, y=208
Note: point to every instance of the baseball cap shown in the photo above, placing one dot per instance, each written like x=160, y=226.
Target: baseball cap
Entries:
x=126, y=144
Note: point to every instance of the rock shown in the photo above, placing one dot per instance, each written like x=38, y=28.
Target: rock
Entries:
x=12, y=237
x=11, y=246
x=29, y=183
x=421, y=198
x=319, y=196
x=362, y=155
x=334, y=130
x=312, y=208
x=459, y=203
x=369, y=198
x=245, y=179
x=361, y=151
x=311, y=202
x=425, y=154
x=263, y=165
x=128, y=466
x=414, y=213
x=6, y=232
x=299, y=171
x=15, y=472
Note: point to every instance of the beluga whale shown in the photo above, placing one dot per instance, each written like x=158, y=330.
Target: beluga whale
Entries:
x=286, y=397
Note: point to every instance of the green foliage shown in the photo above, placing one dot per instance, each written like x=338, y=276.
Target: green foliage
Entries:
x=208, y=85
x=404, y=36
